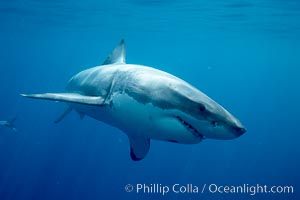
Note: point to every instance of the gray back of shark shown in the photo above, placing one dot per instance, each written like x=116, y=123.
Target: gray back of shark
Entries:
x=145, y=103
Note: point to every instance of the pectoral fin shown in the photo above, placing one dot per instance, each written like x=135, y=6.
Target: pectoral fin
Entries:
x=68, y=97
x=139, y=147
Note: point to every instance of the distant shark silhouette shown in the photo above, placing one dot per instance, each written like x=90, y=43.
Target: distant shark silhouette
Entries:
x=9, y=124
x=145, y=103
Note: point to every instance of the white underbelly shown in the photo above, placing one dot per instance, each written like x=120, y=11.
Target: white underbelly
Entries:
x=137, y=119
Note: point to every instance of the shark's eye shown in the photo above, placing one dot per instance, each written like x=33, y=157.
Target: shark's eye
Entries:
x=202, y=108
x=214, y=123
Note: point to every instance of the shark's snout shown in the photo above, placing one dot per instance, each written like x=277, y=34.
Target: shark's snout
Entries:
x=238, y=131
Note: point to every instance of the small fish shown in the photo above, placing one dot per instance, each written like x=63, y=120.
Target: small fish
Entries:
x=9, y=124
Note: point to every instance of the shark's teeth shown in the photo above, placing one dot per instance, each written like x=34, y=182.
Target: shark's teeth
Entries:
x=189, y=127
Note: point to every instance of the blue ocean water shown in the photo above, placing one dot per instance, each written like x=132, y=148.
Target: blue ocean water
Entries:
x=243, y=54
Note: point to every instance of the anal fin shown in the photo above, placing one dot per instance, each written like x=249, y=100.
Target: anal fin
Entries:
x=81, y=114
x=63, y=115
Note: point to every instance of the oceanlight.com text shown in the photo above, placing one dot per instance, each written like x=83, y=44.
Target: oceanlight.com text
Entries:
x=249, y=189
x=164, y=189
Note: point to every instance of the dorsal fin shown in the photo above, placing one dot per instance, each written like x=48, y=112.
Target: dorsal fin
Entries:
x=117, y=55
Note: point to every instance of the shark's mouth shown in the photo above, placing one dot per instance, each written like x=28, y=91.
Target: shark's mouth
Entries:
x=190, y=128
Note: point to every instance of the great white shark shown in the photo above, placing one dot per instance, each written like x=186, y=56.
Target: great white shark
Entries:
x=145, y=103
